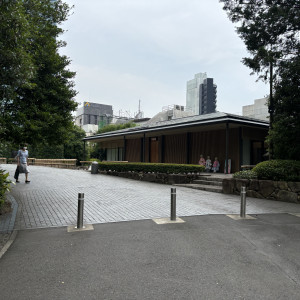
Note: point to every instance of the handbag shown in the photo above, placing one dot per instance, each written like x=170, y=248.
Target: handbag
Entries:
x=17, y=172
x=22, y=168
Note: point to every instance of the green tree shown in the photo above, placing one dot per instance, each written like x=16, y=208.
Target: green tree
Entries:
x=40, y=112
x=16, y=64
x=73, y=146
x=285, y=133
x=270, y=31
x=46, y=151
x=95, y=151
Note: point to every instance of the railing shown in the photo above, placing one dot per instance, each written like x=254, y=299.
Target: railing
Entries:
x=54, y=163
x=247, y=167
x=3, y=160
x=85, y=164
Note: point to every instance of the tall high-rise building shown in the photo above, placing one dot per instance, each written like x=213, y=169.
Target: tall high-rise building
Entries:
x=201, y=95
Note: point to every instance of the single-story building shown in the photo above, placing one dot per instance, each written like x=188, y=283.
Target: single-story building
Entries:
x=233, y=139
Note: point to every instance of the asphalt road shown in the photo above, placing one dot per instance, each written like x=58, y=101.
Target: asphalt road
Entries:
x=207, y=257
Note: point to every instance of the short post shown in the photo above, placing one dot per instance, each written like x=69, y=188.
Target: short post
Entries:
x=243, y=202
x=80, y=210
x=173, y=204
x=94, y=168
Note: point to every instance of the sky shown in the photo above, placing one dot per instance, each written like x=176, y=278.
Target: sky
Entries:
x=124, y=51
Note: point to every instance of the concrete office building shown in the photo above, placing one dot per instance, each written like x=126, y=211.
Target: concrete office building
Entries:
x=91, y=115
x=258, y=110
x=170, y=112
x=201, y=95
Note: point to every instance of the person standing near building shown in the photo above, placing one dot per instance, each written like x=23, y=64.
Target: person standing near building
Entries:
x=208, y=164
x=22, y=162
x=216, y=165
x=202, y=160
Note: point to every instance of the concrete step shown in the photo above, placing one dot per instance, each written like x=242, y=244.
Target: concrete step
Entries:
x=210, y=178
x=208, y=188
x=208, y=182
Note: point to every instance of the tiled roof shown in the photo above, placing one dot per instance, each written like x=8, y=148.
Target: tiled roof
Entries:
x=181, y=122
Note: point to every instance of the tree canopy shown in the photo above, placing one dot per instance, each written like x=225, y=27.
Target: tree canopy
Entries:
x=36, y=87
x=270, y=30
x=71, y=148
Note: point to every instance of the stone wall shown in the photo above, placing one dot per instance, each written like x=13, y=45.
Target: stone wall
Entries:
x=265, y=189
x=155, y=177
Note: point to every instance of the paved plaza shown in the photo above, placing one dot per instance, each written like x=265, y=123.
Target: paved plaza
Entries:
x=209, y=256
x=50, y=199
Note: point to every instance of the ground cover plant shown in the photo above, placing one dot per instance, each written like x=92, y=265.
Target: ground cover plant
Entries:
x=4, y=187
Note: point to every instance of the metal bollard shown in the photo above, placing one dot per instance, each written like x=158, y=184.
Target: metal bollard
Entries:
x=94, y=167
x=80, y=210
x=173, y=204
x=243, y=202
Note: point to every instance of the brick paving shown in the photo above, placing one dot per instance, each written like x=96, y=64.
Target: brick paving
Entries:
x=50, y=200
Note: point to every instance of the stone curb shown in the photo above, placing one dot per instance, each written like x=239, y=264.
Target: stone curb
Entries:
x=7, y=225
x=8, y=243
x=7, y=222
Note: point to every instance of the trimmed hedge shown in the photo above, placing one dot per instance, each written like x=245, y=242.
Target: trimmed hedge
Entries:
x=278, y=170
x=247, y=174
x=151, y=167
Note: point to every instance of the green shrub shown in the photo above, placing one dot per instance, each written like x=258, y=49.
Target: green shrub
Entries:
x=278, y=170
x=95, y=159
x=247, y=174
x=4, y=185
x=151, y=167
x=114, y=127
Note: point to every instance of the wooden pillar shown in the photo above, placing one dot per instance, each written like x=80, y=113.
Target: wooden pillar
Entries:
x=124, y=145
x=162, y=147
x=240, y=146
x=149, y=149
x=262, y=151
x=143, y=147
x=226, y=148
x=188, y=147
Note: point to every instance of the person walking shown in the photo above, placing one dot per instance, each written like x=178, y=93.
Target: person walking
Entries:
x=22, y=162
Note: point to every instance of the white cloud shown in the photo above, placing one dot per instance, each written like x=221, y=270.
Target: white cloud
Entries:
x=126, y=50
x=123, y=90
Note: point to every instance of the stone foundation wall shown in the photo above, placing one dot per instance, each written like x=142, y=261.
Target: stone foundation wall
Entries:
x=265, y=189
x=155, y=177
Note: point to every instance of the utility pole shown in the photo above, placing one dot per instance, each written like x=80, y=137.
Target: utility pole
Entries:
x=271, y=108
